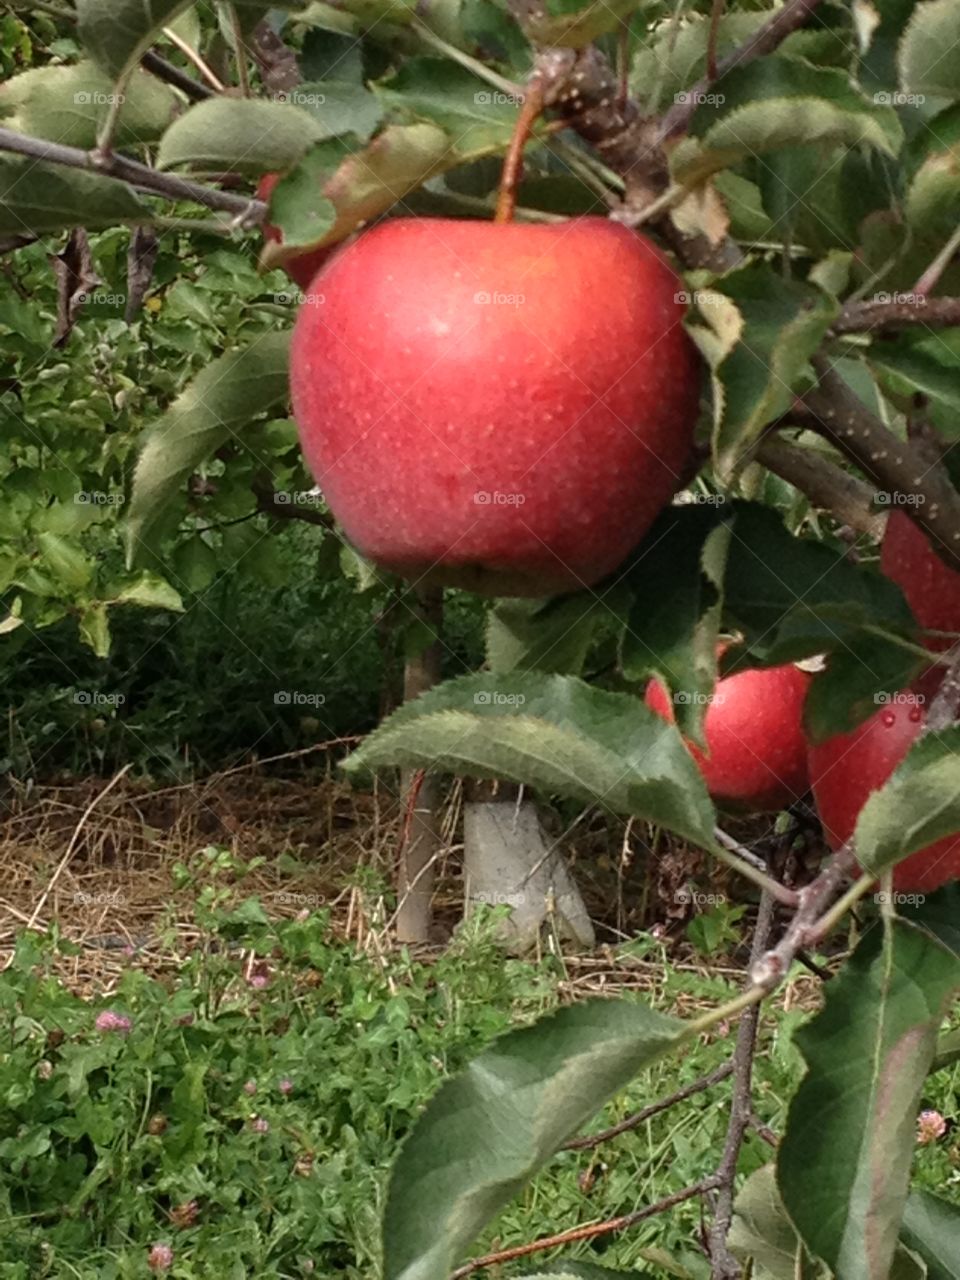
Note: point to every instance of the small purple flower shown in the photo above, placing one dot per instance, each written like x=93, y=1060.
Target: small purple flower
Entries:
x=285, y=1085
x=110, y=1021
x=160, y=1258
x=930, y=1126
x=259, y=1125
x=250, y=1087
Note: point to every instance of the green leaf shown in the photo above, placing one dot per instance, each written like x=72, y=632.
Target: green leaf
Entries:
x=549, y=635
x=762, y=1233
x=95, y=629
x=584, y=1271
x=338, y=106
x=796, y=597
x=242, y=135
x=478, y=118
x=776, y=102
x=489, y=1130
x=43, y=198
x=672, y=628
x=117, y=33
x=931, y=1228
x=845, y=694
x=783, y=322
x=906, y=366
x=65, y=561
x=554, y=733
x=576, y=23
x=195, y=564
x=220, y=401
x=929, y=55
x=68, y=104
x=868, y=1053
x=917, y=806
x=150, y=592
x=329, y=195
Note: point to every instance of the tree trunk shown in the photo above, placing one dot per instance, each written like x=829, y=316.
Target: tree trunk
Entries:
x=420, y=794
x=508, y=861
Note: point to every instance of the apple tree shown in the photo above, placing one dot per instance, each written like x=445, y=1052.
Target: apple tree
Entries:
x=782, y=182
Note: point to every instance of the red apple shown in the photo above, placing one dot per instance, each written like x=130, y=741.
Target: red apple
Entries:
x=756, y=754
x=303, y=268
x=500, y=407
x=931, y=587
x=846, y=769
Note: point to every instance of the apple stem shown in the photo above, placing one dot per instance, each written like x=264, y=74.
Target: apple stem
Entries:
x=530, y=109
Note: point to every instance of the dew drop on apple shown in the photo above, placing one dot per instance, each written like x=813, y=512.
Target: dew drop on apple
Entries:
x=889, y=719
x=916, y=714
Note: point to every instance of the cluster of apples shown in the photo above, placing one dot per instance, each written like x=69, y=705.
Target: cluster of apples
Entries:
x=507, y=408
x=757, y=755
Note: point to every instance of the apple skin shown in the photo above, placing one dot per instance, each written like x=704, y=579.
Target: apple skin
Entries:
x=756, y=749
x=302, y=269
x=931, y=587
x=500, y=407
x=846, y=769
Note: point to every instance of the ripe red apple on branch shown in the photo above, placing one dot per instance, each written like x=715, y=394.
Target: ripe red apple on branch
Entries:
x=500, y=407
x=931, y=587
x=756, y=755
x=305, y=266
x=848, y=768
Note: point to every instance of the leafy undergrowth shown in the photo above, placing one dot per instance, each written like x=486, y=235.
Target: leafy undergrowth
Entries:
x=244, y=1114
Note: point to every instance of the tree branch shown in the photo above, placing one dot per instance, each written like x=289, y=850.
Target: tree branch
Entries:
x=784, y=22
x=725, y=1266
x=884, y=316
x=249, y=212
x=699, y=1085
x=824, y=483
x=588, y=1232
x=165, y=70
x=907, y=467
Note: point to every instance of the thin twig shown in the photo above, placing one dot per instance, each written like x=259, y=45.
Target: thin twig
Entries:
x=716, y=13
x=725, y=1266
x=589, y=1232
x=165, y=70
x=931, y=277
x=191, y=55
x=248, y=212
x=240, y=52
x=784, y=22
x=743, y=861
x=699, y=1085
x=884, y=316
